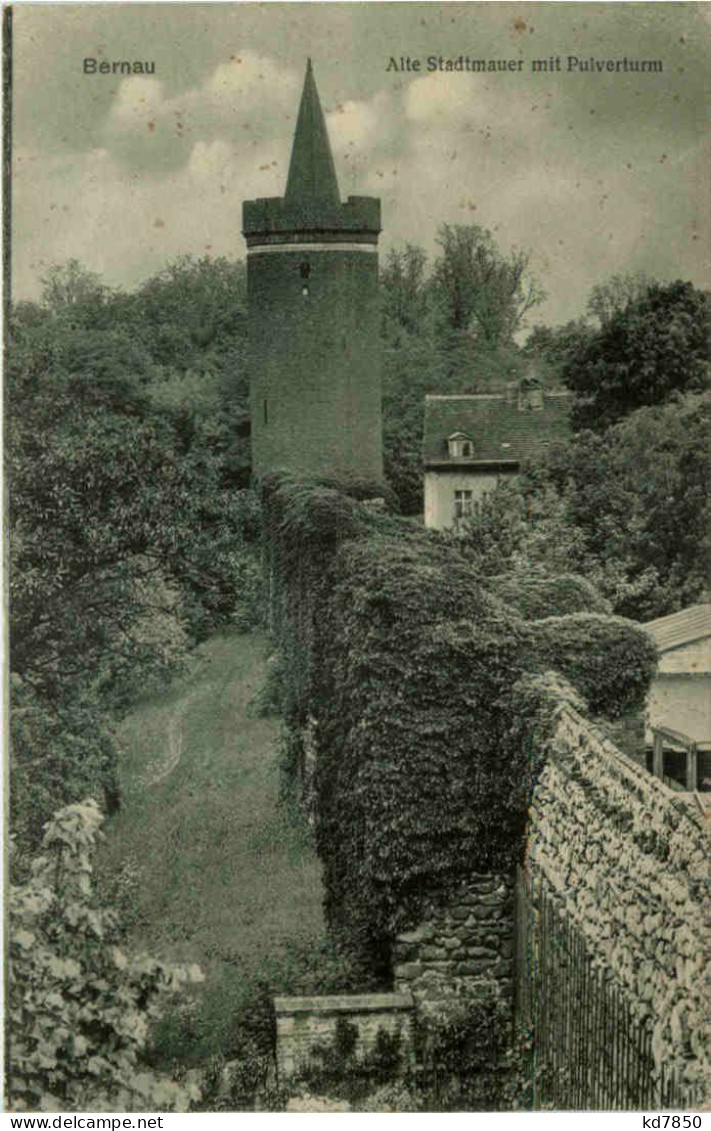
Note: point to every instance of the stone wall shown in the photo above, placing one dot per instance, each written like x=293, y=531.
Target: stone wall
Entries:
x=459, y=946
x=628, y=859
x=304, y=1022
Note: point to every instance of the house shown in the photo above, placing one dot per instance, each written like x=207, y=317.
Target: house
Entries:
x=473, y=441
x=680, y=696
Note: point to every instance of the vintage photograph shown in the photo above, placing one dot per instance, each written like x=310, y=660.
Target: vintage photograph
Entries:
x=357, y=451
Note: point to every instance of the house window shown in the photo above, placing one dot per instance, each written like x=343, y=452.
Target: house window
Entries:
x=462, y=504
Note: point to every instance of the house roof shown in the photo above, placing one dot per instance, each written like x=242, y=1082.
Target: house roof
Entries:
x=681, y=628
x=500, y=430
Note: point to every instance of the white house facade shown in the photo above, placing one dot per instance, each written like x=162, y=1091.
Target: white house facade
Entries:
x=680, y=696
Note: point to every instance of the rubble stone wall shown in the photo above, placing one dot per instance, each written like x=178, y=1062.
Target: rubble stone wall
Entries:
x=461, y=945
x=628, y=860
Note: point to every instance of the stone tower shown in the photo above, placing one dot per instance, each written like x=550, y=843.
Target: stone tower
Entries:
x=312, y=283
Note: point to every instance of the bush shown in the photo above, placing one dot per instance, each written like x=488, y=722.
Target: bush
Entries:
x=464, y=1048
x=320, y=966
x=56, y=757
x=395, y=1097
x=535, y=597
x=79, y=1007
x=335, y=1069
x=609, y=660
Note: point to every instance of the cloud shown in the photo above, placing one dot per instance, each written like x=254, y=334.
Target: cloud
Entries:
x=242, y=103
x=595, y=175
x=360, y=124
x=255, y=78
x=140, y=99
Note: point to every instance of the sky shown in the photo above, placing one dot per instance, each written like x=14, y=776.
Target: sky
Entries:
x=595, y=172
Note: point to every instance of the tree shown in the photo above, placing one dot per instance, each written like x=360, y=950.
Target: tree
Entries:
x=628, y=509
x=69, y=285
x=405, y=291
x=483, y=292
x=639, y=494
x=657, y=345
x=79, y=1007
x=125, y=543
x=412, y=367
x=610, y=298
x=552, y=348
x=423, y=352
x=195, y=310
x=192, y=320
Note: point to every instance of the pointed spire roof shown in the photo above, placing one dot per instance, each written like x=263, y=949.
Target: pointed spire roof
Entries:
x=312, y=175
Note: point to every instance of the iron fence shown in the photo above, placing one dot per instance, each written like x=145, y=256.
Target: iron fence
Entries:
x=585, y=1049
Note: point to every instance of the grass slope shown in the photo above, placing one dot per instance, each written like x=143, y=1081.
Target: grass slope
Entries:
x=221, y=878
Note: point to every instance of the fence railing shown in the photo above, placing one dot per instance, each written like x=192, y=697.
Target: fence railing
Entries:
x=664, y=736
x=586, y=1048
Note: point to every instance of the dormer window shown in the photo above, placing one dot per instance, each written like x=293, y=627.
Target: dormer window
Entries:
x=460, y=446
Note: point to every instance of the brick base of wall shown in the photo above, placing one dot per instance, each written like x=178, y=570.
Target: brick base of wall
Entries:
x=303, y=1022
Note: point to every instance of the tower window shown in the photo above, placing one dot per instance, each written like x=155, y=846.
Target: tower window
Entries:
x=305, y=270
x=265, y=412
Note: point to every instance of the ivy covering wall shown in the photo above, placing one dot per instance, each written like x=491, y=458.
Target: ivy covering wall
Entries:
x=398, y=665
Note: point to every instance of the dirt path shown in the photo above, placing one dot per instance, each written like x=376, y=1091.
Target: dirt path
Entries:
x=220, y=877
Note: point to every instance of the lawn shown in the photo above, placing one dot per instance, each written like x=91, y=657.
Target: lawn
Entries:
x=217, y=874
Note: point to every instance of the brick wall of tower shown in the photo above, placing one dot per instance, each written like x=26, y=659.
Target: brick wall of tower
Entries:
x=315, y=363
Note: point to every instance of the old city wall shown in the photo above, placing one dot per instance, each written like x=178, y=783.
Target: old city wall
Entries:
x=462, y=945
x=626, y=859
x=399, y=671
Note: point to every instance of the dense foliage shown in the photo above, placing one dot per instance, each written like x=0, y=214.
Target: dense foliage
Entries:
x=607, y=659
x=79, y=1007
x=629, y=509
x=656, y=345
x=537, y=596
x=466, y=1059
x=398, y=668
x=335, y=1067
x=447, y=327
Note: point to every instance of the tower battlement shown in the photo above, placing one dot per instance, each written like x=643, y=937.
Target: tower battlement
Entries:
x=275, y=215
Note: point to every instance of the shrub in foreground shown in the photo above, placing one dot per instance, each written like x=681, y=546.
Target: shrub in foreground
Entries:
x=79, y=1008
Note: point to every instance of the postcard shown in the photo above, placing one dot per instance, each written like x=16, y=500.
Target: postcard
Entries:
x=356, y=394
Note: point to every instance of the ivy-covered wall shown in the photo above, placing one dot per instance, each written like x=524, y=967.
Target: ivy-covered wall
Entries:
x=398, y=668
x=628, y=859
